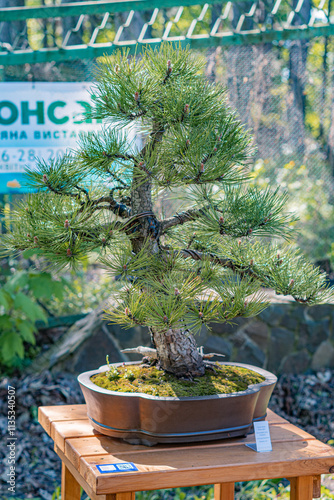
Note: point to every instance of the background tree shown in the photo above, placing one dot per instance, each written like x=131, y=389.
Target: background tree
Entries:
x=205, y=264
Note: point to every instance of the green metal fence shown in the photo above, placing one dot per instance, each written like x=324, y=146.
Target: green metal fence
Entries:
x=90, y=29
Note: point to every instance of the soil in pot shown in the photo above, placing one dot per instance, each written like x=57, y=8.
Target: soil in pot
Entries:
x=224, y=379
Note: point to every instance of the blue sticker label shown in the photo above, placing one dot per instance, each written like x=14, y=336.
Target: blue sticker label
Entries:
x=120, y=467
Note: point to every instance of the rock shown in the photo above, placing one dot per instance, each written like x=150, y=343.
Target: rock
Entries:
x=251, y=354
x=202, y=336
x=312, y=333
x=239, y=338
x=219, y=345
x=320, y=311
x=226, y=328
x=93, y=352
x=273, y=314
x=297, y=362
x=75, y=337
x=323, y=356
x=258, y=332
x=130, y=338
x=280, y=345
x=290, y=320
x=298, y=311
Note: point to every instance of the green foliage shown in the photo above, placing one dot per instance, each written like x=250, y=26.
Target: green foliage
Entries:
x=173, y=292
x=310, y=198
x=119, y=78
x=20, y=308
x=241, y=211
x=62, y=233
x=85, y=290
x=56, y=495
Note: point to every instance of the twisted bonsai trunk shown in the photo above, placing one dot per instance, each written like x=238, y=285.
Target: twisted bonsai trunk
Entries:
x=177, y=351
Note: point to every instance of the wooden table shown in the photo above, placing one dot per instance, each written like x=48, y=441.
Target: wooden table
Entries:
x=296, y=455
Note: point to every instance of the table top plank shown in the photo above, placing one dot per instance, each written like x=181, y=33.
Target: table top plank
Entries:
x=49, y=414
x=60, y=431
x=182, y=467
x=100, y=444
x=273, y=418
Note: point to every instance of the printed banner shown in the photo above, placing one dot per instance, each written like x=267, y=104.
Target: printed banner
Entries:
x=39, y=120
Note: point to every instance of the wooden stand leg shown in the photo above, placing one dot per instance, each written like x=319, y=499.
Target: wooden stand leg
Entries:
x=316, y=486
x=301, y=488
x=121, y=496
x=224, y=491
x=70, y=488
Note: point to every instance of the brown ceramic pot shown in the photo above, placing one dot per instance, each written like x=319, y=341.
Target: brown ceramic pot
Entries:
x=145, y=419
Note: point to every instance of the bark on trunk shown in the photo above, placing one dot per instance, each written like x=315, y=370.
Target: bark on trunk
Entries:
x=145, y=227
x=177, y=353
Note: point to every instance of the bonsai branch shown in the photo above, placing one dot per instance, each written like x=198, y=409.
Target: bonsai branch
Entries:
x=180, y=218
x=61, y=192
x=228, y=263
x=118, y=179
x=117, y=156
x=117, y=208
x=117, y=188
x=82, y=190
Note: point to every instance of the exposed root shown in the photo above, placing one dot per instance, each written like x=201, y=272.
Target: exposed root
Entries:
x=147, y=352
x=211, y=367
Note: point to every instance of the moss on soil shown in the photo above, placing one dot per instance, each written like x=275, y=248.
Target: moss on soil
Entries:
x=149, y=380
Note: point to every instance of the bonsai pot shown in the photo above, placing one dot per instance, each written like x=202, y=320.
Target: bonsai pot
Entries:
x=144, y=419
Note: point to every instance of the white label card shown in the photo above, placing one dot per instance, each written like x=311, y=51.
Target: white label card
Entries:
x=262, y=437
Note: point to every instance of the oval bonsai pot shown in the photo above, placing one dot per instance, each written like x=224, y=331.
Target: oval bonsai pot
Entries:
x=144, y=419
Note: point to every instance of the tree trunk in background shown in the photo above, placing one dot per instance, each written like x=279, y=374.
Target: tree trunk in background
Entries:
x=212, y=54
x=267, y=129
x=330, y=145
x=330, y=138
x=12, y=33
x=69, y=23
x=297, y=66
x=138, y=20
x=322, y=115
x=249, y=81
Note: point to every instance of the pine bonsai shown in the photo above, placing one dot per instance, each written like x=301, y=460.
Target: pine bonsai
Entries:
x=208, y=263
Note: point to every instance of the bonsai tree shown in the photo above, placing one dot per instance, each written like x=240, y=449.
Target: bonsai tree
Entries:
x=208, y=263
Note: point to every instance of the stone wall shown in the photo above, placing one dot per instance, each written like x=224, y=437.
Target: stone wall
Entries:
x=285, y=338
